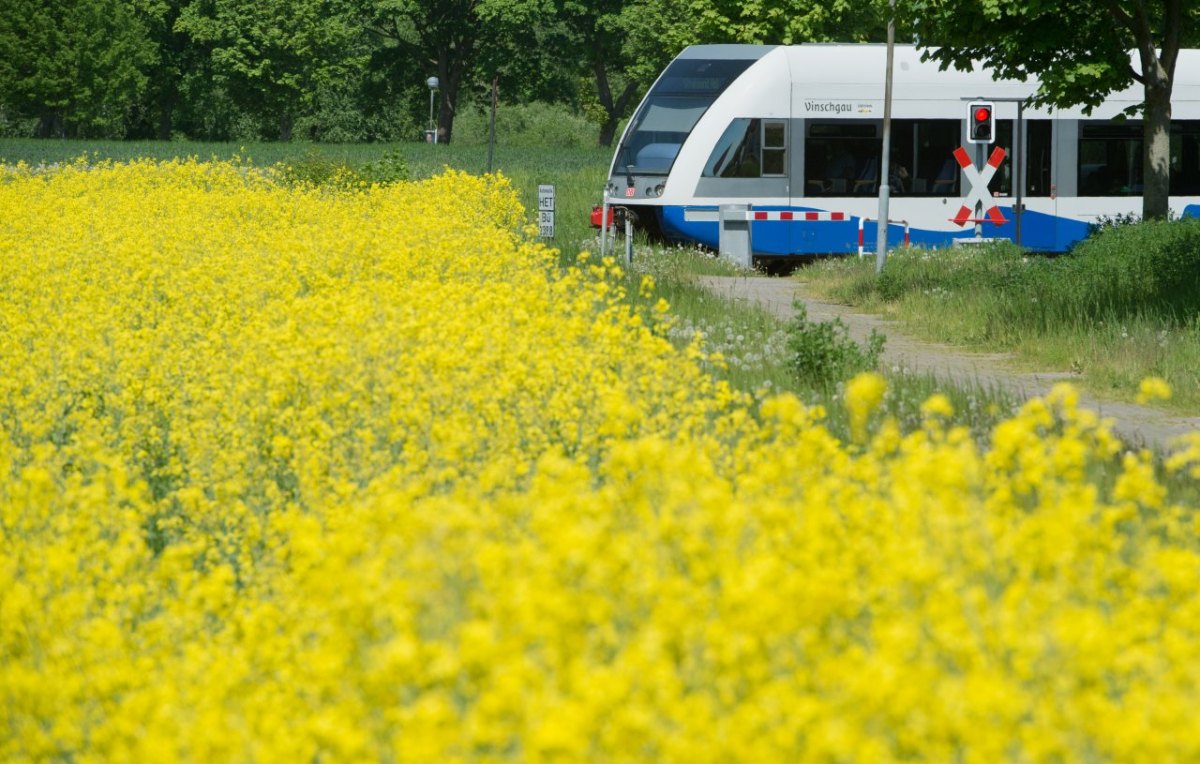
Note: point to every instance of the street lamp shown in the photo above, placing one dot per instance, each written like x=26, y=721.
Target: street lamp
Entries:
x=431, y=133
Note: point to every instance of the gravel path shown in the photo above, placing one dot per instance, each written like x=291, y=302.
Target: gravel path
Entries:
x=1136, y=425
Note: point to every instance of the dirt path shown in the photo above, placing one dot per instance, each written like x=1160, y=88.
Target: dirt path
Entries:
x=1136, y=425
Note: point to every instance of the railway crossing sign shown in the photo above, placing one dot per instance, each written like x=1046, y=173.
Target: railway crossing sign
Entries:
x=977, y=181
x=546, y=212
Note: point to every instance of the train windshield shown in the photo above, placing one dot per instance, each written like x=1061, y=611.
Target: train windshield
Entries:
x=677, y=101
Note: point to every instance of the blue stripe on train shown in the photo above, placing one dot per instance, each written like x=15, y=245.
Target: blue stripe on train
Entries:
x=777, y=237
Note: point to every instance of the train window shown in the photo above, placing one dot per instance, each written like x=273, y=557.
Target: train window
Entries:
x=750, y=148
x=683, y=94
x=774, y=151
x=843, y=158
x=842, y=130
x=1185, y=158
x=1110, y=158
x=1002, y=181
x=924, y=149
x=1040, y=156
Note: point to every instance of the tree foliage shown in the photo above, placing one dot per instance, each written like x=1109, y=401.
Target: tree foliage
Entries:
x=1080, y=51
x=277, y=53
x=449, y=39
x=781, y=22
x=76, y=65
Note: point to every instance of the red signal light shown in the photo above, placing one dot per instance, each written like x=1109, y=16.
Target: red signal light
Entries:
x=981, y=116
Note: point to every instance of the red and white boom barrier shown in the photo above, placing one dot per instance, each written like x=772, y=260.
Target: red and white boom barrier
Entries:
x=861, y=221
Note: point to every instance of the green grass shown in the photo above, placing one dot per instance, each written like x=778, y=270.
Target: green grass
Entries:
x=1124, y=305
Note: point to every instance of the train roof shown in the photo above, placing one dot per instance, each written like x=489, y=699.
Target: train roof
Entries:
x=855, y=71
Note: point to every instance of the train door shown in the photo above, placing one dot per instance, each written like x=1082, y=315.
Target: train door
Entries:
x=1039, y=197
x=750, y=164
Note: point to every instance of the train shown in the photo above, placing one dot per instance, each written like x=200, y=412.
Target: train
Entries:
x=792, y=136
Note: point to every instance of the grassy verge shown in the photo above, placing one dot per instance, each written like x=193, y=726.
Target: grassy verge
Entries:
x=760, y=354
x=1121, y=307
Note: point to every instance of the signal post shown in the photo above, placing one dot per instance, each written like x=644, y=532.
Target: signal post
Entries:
x=981, y=131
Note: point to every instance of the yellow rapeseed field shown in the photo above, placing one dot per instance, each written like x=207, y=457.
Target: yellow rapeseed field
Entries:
x=304, y=475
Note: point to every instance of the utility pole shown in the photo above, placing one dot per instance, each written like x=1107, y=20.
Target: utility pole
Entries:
x=885, y=160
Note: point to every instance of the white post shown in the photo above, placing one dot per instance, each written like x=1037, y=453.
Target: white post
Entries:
x=604, y=223
x=885, y=161
x=628, y=239
x=979, y=164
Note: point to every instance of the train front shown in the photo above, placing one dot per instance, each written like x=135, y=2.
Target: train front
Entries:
x=641, y=167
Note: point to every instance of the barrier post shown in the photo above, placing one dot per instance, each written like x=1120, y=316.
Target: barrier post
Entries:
x=862, y=222
x=734, y=234
x=628, y=239
x=604, y=224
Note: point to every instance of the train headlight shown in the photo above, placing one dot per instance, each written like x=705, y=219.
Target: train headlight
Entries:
x=659, y=189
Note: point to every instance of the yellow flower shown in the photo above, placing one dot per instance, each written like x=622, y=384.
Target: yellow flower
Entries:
x=278, y=486
x=938, y=405
x=863, y=395
x=1153, y=389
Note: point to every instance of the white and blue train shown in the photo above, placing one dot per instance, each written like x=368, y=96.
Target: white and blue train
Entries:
x=796, y=133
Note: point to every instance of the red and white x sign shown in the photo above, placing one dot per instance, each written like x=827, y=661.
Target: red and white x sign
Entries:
x=977, y=183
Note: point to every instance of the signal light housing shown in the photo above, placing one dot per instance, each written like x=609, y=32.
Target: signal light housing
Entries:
x=981, y=122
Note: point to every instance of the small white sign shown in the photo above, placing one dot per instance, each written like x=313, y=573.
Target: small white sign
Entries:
x=546, y=212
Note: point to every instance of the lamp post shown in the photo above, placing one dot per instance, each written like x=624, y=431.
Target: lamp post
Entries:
x=431, y=134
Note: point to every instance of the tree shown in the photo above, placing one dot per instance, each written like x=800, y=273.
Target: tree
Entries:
x=626, y=44
x=76, y=65
x=174, y=56
x=784, y=22
x=445, y=38
x=274, y=55
x=601, y=30
x=1080, y=52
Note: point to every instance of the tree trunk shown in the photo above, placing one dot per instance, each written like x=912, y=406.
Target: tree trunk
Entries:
x=452, y=68
x=50, y=125
x=613, y=108
x=285, y=127
x=1156, y=152
x=165, y=119
x=445, y=119
x=1158, y=60
x=608, y=130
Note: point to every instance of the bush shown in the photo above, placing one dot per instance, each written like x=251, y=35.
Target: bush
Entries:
x=389, y=168
x=823, y=354
x=990, y=266
x=528, y=125
x=313, y=168
x=14, y=125
x=1130, y=269
x=316, y=169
